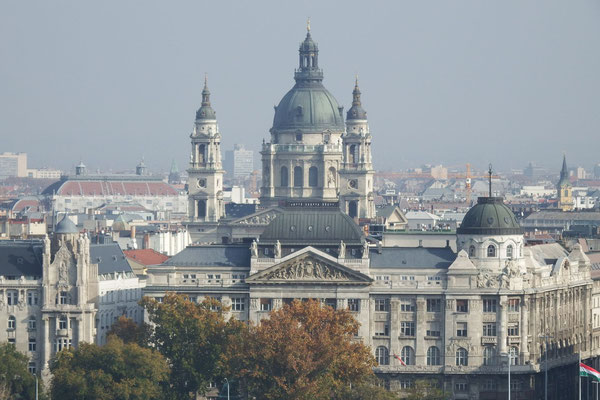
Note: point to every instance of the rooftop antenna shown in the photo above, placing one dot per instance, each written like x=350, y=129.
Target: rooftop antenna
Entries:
x=490, y=178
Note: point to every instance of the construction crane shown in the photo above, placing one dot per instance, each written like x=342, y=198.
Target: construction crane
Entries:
x=468, y=177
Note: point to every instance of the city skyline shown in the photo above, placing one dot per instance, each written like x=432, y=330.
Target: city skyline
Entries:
x=480, y=83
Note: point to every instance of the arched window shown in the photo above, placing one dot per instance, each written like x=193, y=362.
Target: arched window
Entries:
x=12, y=322
x=509, y=251
x=284, y=177
x=201, y=153
x=298, y=178
x=462, y=357
x=201, y=208
x=489, y=355
x=353, y=208
x=408, y=355
x=63, y=323
x=313, y=177
x=433, y=356
x=382, y=355
x=32, y=323
x=491, y=251
x=353, y=155
x=514, y=355
x=472, y=251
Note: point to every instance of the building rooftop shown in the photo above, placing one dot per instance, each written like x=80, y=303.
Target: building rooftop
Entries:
x=211, y=255
x=412, y=257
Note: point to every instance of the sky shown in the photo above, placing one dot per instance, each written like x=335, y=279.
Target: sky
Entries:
x=444, y=82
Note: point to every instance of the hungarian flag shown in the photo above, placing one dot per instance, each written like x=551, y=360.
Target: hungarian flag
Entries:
x=590, y=372
x=402, y=362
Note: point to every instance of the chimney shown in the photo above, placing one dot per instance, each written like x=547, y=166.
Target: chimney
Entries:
x=132, y=234
x=447, y=243
x=420, y=242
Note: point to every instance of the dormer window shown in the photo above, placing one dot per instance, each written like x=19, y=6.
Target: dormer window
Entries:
x=491, y=251
x=509, y=251
x=472, y=251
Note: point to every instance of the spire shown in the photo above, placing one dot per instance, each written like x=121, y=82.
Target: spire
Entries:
x=206, y=111
x=308, y=67
x=490, y=179
x=564, y=172
x=356, y=111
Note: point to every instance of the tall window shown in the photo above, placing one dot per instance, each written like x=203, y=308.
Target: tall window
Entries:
x=434, y=305
x=509, y=251
x=353, y=154
x=238, y=304
x=32, y=298
x=298, y=178
x=313, y=177
x=382, y=329
x=382, y=304
x=63, y=323
x=407, y=328
x=433, y=356
x=32, y=344
x=514, y=355
x=12, y=297
x=408, y=355
x=513, y=305
x=382, y=355
x=490, y=305
x=489, y=355
x=513, y=329
x=354, y=305
x=462, y=306
x=461, y=329
x=12, y=322
x=201, y=210
x=407, y=305
x=472, y=251
x=32, y=323
x=353, y=208
x=489, y=329
x=491, y=251
x=284, y=177
x=462, y=357
x=64, y=298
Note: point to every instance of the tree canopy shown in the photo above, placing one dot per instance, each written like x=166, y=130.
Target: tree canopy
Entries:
x=15, y=380
x=303, y=351
x=130, y=332
x=193, y=337
x=115, y=371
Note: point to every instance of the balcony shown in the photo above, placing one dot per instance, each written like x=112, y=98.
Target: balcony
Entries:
x=62, y=332
x=489, y=340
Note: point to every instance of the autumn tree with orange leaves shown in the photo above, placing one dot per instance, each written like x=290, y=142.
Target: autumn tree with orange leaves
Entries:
x=304, y=351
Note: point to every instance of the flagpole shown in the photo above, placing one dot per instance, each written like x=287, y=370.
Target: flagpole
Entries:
x=579, y=373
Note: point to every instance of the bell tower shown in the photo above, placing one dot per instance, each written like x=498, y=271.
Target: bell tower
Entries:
x=356, y=174
x=205, y=174
x=565, y=188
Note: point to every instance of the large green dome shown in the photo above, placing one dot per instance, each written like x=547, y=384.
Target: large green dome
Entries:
x=308, y=108
x=490, y=216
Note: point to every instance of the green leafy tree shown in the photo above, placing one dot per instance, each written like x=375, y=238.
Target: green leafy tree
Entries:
x=15, y=380
x=426, y=390
x=115, y=371
x=304, y=351
x=193, y=337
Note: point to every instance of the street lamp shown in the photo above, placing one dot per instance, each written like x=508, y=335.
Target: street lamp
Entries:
x=546, y=337
x=227, y=382
x=509, y=358
x=596, y=383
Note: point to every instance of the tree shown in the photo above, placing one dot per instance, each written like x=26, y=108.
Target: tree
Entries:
x=130, y=332
x=193, y=337
x=426, y=390
x=116, y=371
x=303, y=351
x=15, y=380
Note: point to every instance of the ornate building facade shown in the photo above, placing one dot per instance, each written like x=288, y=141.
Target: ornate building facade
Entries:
x=454, y=317
x=61, y=291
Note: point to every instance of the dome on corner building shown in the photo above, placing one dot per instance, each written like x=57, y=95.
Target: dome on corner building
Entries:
x=490, y=216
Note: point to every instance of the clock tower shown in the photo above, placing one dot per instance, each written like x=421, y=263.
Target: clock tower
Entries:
x=205, y=174
x=356, y=175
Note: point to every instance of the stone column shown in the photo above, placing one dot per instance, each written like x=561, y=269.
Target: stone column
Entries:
x=45, y=342
x=342, y=304
x=525, y=329
x=420, y=332
x=503, y=324
x=80, y=337
x=276, y=304
x=394, y=324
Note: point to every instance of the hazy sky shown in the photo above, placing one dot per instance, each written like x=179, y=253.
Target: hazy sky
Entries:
x=443, y=81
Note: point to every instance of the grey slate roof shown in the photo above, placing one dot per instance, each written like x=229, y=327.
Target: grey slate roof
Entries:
x=312, y=226
x=21, y=258
x=211, y=255
x=109, y=257
x=66, y=226
x=412, y=257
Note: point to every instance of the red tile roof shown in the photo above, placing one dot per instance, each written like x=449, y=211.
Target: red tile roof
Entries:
x=146, y=256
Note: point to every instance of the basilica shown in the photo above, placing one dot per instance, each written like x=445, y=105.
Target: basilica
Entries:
x=461, y=315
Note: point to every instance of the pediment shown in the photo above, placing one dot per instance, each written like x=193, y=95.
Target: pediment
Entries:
x=263, y=217
x=309, y=268
x=397, y=217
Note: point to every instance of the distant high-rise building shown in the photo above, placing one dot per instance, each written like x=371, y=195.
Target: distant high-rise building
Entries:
x=532, y=171
x=13, y=165
x=239, y=162
x=597, y=171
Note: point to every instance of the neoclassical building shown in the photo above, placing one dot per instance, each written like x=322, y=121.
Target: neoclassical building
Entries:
x=58, y=292
x=454, y=317
x=313, y=155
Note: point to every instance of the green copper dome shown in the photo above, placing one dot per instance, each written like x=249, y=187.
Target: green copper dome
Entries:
x=308, y=107
x=490, y=216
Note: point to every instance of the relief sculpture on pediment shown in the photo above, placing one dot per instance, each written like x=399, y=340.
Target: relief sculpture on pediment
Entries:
x=308, y=269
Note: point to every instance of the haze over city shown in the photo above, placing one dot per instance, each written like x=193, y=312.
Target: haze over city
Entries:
x=504, y=82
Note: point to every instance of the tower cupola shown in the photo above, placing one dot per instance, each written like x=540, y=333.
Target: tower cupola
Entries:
x=308, y=68
x=206, y=111
x=356, y=111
